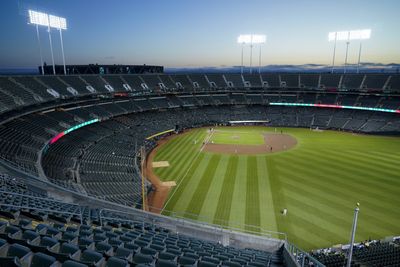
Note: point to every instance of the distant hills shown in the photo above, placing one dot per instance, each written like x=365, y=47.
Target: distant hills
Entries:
x=310, y=68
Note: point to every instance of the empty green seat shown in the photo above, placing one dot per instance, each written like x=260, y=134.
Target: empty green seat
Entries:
x=117, y=262
x=142, y=258
x=10, y=262
x=206, y=264
x=70, y=263
x=186, y=260
x=231, y=264
x=167, y=256
x=91, y=257
x=166, y=263
x=17, y=250
x=42, y=260
x=124, y=253
x=148, y=251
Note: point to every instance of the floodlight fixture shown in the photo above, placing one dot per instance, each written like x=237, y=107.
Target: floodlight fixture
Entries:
x=244, y=39
x=58, y=22
x=350, y=35
x=38, y=18
x=258, y=39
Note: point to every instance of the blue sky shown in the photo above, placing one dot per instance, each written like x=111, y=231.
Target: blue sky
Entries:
x=193, y=33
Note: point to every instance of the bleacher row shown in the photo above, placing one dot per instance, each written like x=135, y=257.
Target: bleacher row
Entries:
x=27, y=239
x=20, y=91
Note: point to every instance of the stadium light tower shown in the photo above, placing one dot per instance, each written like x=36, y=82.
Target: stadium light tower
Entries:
x=353, y=233
x=251, y=39
x=347, y=36
x=49, y=21
x=60, y=24
x=243, y=39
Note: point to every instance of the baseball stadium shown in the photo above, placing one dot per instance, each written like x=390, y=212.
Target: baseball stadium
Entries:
x=134, y=165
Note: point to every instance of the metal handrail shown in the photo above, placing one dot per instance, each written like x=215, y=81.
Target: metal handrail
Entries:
x=301, y=256
x=242, y=229
x=45, y=210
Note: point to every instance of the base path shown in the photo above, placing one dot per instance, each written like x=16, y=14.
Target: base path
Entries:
x=157, y=198
x=273, y=142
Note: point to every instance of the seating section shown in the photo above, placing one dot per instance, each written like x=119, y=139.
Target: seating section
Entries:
x=40, y=238
x=22, y=91
x=368, y=253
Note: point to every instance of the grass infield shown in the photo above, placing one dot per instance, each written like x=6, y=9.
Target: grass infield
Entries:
x=319, y=181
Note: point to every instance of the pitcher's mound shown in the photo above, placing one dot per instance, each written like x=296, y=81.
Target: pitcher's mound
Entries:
x=273, y=142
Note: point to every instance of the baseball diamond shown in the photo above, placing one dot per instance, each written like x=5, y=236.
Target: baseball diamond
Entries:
x=317, y=178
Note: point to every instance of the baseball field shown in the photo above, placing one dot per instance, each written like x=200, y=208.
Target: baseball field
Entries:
x=245, y=177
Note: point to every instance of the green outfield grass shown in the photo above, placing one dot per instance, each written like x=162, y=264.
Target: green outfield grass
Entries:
x=237, y=136
x=319, y=181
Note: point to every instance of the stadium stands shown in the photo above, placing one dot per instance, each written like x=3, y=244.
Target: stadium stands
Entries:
x=36, y=230
x=100, y=159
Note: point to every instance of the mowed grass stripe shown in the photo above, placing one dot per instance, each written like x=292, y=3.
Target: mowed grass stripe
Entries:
x=388, y=172
x=337, y=193
x=339, y=167
x=278, y=198
x=180, y=188
x=340, y=184
x=197, y=200
x=178, y=166
x=252, y=196
x=207, y=212
x=238, y=206
x=267, y=213
x=177, y=141
x=347, y=168
x=171, y=145
x=340, y=215
x=224, y=202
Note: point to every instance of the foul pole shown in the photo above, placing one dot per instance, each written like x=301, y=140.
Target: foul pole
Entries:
x=353, y=234
x=142, y=174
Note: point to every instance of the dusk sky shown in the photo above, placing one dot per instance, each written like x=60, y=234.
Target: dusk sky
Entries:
x=193, y=33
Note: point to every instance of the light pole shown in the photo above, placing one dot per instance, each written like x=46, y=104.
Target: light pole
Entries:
x=40, y=49
x=241, y=66
x=251, y=39
x=51, y=50
x=353, y=233
x=347, y=36
x=49, y=21
x=251, y=56
x=347, y=52
x=331, y=34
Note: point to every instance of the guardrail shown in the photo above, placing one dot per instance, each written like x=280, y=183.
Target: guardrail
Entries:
x=223, y=224
x=78, y=207
x=301, y=257
x=227, y=225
